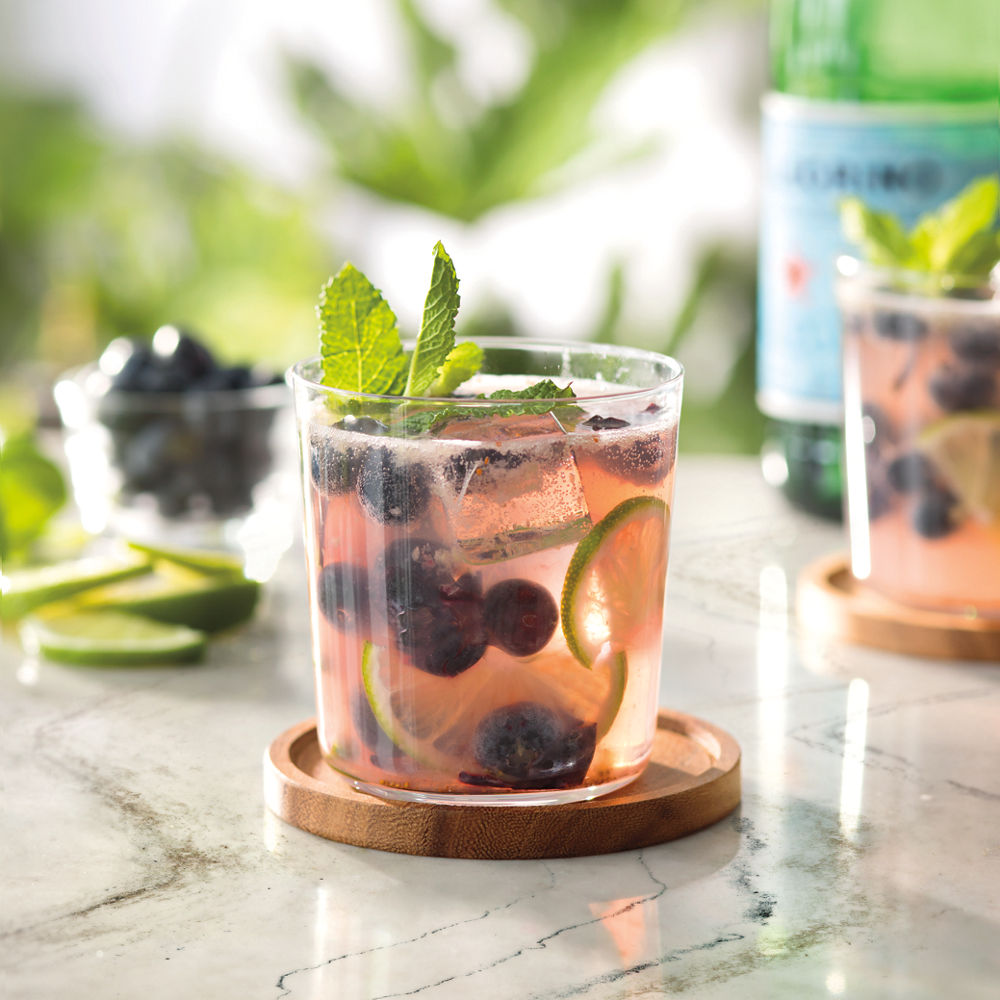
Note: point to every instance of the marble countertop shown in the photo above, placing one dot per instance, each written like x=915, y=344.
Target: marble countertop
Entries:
x=137, y=858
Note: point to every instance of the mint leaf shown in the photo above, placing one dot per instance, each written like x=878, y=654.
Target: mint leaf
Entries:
x=958, y=221
x=978, y=256
x=534, y=399
x=545, y=389
x=462, y=362
x=959, y=239
x=359, y=342
x=437, y=329
x=879, y=234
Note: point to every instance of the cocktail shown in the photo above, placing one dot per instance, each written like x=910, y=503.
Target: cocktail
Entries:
x=487, y=562
x=922, y=395
x=921, y=335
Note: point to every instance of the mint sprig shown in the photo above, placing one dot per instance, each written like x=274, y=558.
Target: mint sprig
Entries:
x=359, y=342
x=361, y=351
x=957, y=241
x=538, y=398
x=437, y=330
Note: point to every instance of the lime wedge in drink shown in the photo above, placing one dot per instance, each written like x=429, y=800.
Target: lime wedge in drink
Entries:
x=110, y=638
x=178, y=596
x=24, y=590
x=614, y=586
x=433, y=719
x=965, y=450
x=203, y=560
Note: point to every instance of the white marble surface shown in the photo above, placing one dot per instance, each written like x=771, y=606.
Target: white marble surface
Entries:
x=138, y=859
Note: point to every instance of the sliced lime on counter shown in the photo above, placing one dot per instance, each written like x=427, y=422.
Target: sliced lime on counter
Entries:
x=965, y=450
x=24, y=590
x=110, y=638
x=615, y=582
x=177, y=596
x=203, y=560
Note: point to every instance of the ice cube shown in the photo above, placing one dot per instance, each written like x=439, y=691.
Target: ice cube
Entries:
x=517, y=492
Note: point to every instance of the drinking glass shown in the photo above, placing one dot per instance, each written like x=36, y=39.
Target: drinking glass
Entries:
x=486, y=578
x=922, y=437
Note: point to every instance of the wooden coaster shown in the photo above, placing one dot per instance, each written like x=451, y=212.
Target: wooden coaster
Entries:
x=831, y=601
x=692, y=781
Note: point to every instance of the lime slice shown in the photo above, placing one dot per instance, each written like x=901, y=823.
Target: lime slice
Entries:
x=203, y=560
x=433, y=719
x=614, y=586
x=178, y=596
x=965, y=449
x=24, y=590
x=110, y=638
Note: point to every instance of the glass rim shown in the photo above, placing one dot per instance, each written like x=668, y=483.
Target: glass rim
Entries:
x=272, y=396
x=921, y=284
x=296, y=373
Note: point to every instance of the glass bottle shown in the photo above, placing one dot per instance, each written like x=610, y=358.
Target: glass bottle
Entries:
x=895, y=101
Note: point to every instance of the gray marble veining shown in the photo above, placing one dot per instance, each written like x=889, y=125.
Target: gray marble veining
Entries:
x=138, y=859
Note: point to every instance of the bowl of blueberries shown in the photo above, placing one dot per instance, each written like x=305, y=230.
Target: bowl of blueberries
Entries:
x=164, y=439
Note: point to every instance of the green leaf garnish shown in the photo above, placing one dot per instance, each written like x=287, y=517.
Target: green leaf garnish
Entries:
x=361, y=351
x=462, y=363
x=32, y=491
x=359, y=343
x=534, y=399
x=879, y=234
x=437, y=330
x=957, y=241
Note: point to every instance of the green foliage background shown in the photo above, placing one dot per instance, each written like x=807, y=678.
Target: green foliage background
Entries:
x=100, y=236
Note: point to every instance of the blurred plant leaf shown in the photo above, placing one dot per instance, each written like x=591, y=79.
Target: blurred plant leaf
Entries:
x=100, y=237
x=32, y=491
x=506, y=151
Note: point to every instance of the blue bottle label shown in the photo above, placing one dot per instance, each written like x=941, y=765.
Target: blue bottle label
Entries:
x=902, y=159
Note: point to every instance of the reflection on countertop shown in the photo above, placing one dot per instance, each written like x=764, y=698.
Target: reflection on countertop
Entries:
x=138, y=859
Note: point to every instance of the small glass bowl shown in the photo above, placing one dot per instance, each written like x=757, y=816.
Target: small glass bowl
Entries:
x=211, y=468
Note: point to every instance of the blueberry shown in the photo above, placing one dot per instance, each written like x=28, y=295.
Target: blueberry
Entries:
x=444, y=635
x=599, y=423
x=435, y=619
x=520, y=616
x=960, y=388
x=362, y=425
x=334, y=467
x=910, y=472
x=876, y=427
x=183, y=354
x=879, y=501
x=463, y=468
x=527, y=745
x=414, y=570
x=342, y=596
x=899, y=325
x=134, y=357
x=644, y=461
x=159, y=377
x=392, y=491
x=979, y=344
x=334, y=462
x=225, y=379
x=440, y=640
x=383, y=752
x=932, y=516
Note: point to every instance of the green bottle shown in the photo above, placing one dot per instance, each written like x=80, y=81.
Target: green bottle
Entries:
x=895, y=101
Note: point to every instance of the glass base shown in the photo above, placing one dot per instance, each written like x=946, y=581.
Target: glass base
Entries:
x=537, y=797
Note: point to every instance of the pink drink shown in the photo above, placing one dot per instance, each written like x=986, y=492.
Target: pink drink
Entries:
x=453, y=661
x=922, y=397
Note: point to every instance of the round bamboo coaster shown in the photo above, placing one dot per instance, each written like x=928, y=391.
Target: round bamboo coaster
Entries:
x=831, y=601
x=692, y=781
